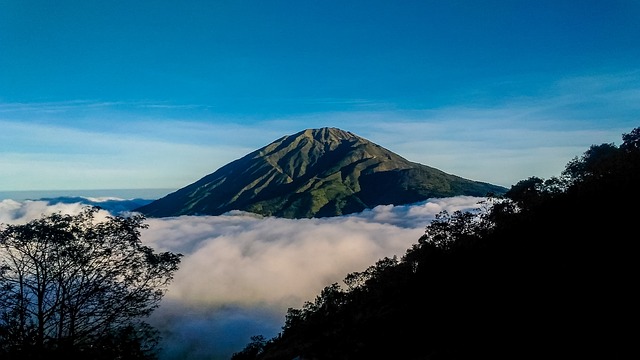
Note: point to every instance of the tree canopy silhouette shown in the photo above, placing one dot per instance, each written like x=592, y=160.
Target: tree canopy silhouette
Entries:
x=547, y=270
x=71, y=285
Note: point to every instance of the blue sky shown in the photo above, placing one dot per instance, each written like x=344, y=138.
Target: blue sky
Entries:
x=156, y=94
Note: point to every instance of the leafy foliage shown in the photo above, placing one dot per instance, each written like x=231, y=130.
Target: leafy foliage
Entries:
x=546, y=271
x=72, y=285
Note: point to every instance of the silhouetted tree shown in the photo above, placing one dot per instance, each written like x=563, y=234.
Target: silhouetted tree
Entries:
x=595, y=162
x=631, y=141
x=252, y=350
x=74, y=285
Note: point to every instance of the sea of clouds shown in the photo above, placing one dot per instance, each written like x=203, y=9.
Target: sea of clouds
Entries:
x=240, y=272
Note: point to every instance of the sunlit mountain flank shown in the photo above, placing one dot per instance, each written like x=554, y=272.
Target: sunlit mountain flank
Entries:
x=315, y=173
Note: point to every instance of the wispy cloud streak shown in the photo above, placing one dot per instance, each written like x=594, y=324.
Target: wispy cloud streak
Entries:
x=128, y=145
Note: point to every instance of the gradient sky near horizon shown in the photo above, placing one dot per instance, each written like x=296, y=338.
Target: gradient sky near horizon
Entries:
x=156, y=94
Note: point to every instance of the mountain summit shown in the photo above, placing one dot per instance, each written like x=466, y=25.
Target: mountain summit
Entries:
x=314, y=173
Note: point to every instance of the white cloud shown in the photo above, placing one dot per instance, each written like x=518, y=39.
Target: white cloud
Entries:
x=240, y=273
x=240, y=264
x=276, y=261
x=19, y=212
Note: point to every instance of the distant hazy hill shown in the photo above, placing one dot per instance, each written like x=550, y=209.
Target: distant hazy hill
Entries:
x=113, y=205
x=314, y=173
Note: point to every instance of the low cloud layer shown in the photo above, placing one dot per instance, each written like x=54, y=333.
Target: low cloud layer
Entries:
x=240, y=273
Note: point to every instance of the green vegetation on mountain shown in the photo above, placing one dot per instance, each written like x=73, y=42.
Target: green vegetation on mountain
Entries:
x=314, y=173
x=549, y=270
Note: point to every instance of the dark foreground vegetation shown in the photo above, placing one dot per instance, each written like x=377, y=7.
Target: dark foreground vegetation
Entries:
x=547, y=271
x=76, y=287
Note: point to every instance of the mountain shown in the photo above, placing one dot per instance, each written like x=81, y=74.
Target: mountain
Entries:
x=314, y=173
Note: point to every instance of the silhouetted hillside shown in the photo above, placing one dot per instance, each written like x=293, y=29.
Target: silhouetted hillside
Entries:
x=547, y=271
x=314, y=173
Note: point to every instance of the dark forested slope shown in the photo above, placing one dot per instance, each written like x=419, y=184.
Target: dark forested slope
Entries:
x=547, y=271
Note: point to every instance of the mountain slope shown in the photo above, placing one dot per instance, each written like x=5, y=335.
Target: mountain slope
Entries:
x=314, y=173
